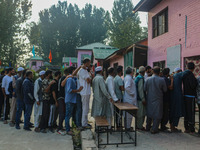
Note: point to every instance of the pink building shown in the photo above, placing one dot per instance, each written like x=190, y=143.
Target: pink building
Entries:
x=35, y=63
x=173, y=32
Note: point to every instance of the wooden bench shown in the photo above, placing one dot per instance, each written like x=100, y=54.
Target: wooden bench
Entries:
x=101, y=123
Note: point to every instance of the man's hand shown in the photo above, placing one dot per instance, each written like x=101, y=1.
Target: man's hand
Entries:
x=52, y=82
x=69, y=76
x=38, y=103
x=111, y=100
x=81, y=87
x=56, y=103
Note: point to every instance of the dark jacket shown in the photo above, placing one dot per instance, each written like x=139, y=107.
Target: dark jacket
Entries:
x=19, y=90
x=28, y=89
x=189, y=83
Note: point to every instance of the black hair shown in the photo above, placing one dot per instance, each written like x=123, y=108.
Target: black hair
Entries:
x=28, y=73
x=147, y=68
x=111, y=70
x=2, y=72
x=71, y=69
x=97, y=72
x=66, y=71
x=48, y=72
x=9, y=69
x=166, y=71
x=156, y=70
x=57, y=73
x=119, y=69
x=129, y=70
x=24, y=72
x=86, y=60
x=191, y=65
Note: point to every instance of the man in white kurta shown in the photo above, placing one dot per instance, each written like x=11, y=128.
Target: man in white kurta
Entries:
x=130, y=94
x=111, y=89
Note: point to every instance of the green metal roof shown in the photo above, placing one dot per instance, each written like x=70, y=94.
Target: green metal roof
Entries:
x=92, y=46
x=102, y=53
x=37, y=58
x=47, y=64
x=66, y=59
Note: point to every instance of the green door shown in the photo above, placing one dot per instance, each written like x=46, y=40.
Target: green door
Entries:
x=128, y=59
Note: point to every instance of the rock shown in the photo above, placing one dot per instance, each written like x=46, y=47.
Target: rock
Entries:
x=88, y=144
x=87, y=135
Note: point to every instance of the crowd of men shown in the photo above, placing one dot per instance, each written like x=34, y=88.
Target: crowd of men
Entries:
x=161, y=98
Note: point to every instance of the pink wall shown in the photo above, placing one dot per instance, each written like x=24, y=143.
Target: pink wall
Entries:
x=117, y=59
x=39, y=63
x=177, y=10
x=82, y=52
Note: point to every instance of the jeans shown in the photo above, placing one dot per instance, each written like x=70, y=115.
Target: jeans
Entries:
x=27, y=117
x=69, y=110
x=61, y=109
x=77, y=113
x=20, y=107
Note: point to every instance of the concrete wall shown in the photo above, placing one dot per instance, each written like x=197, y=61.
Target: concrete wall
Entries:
x=177, y=10
x=39, y=63
x=117, y=59
x=82, y=52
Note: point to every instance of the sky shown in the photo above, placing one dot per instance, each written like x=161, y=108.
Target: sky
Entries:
x=39, y=5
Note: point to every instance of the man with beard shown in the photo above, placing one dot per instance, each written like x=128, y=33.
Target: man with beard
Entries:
x=5, y=85
x=38, y=103
x=1, y=93
x=147, y=72
x=46, y=85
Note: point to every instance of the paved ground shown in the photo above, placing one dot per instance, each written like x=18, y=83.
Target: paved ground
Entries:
x=12, y=139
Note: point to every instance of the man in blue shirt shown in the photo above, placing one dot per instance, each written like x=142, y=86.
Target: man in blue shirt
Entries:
x=70, y=99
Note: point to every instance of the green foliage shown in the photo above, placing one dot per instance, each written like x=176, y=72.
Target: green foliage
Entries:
x=13, y=16
x=124, y=26
x=64, y=27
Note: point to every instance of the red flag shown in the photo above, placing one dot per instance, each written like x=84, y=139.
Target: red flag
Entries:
x=50, y=56
x=70, y=62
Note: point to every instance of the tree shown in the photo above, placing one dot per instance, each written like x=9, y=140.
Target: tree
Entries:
x=13, y=16
x=124, y=26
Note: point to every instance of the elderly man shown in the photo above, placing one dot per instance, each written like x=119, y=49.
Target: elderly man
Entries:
x=155, y=87
x=130, y=94
x=101, y=97
x=111, y=89
x=141, y=99
x=176, y=101
x=38, y=103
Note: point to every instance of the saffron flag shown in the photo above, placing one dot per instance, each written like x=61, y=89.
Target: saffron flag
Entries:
x=33, y=51
x=50, y=56
x=70, y=62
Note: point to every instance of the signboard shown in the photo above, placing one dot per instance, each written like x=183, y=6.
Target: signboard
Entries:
x=174, y=57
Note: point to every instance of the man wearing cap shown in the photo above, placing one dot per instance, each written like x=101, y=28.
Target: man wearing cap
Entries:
x=38, y=102
x=176, y=101
x=111, y=90
x=101, y=97
x=141, y=98
x=130, y=94
x=20, y=101
x=13, y=108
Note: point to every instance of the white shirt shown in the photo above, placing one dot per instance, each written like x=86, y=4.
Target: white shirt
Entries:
x=83, y=75
x=130, y=94
x=5, y=83
x=111, y=87
x=36, y=89
x=145, y=76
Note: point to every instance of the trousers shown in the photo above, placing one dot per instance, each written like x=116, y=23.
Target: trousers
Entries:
x=37, y=114
x=45, y=114
x=13, y=109
x=20, y=107
x=85, y=109
x=61, y=110
x=27, y=115
x=6, y=107
x=155, y=126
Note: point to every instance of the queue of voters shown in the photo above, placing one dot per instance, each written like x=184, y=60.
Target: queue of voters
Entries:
x=162, y=98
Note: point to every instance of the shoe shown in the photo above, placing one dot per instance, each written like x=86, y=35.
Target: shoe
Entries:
x=27, y=129
x=31, y=126
x=11, y=124
x=154, y=132
x=17, y=127
x=61, y=132
x=5, y=122
x=88, y=126
x=21, y=121
x=70, y=133
x=51, y=130
x=43, y=131
x=80, y=128
x=37, y=130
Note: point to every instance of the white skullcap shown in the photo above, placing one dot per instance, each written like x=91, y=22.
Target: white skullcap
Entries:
x=99, y=68
x=177, y=69
x=20, y=69
x=41, y=72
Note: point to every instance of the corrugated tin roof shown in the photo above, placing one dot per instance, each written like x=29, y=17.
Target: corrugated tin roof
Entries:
x=66, y=59
x=146, y=5
x=37, y=58
x=102, y=53
x=92, y=46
